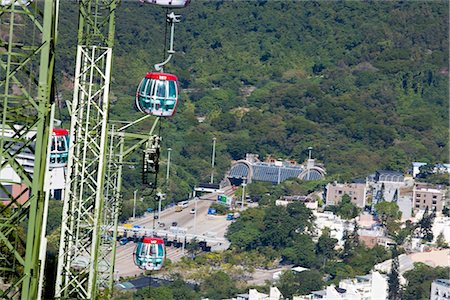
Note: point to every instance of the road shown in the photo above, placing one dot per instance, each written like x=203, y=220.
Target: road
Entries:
x=200, y=224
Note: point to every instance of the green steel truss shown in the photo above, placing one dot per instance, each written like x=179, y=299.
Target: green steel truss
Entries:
x=81, y=263
x=121, y=145
x=27, y=43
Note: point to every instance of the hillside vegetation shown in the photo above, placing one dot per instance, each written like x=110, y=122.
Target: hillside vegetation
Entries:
x=364, y=83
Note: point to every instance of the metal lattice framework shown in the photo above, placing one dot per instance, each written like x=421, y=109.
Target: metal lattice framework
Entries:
x=80, y=257
x=27, y=37
x=121, y=145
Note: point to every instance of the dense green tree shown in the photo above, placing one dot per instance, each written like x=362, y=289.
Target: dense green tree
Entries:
x=277, y=227
x=218, y=286
x=293, y=283
x=54, y=215
x=393, y=277
x=245, y=233
x=389, y=214
x=345, y=208
x=301, y=251
x=155, y=293
x=425, y=225
x=325, y=245
x=419, y=281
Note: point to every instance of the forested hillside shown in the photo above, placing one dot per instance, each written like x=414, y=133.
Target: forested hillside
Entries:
x=364, y=83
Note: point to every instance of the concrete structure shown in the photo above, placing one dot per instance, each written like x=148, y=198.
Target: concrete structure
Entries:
x=416, y=168
x=336, y=225
x=438, y=168
x=441, y=225
x=440, y=289
x=430, y=196
x=253, y=294
x=309, y=202
x=372, y=238
x=389, y=176
x=368, y=287
x=297, y=269
x=438, y=258
x=356, y=191
x=275, y=171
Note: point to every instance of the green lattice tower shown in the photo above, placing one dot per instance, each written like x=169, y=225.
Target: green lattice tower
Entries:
x=27, y=44
x=79, y=259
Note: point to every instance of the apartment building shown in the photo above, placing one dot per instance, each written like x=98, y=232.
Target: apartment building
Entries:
x=425, y=195
x=357, y=192
x=440, y=289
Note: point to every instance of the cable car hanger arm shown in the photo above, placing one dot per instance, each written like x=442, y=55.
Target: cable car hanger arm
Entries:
x=171, y=19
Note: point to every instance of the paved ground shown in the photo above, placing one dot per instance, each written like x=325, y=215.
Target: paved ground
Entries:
x=200, y=223
x=125, y=266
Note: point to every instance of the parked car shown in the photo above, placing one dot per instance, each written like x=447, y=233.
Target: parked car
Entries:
x=123, y=241
x=183, y=204
x=174, y=224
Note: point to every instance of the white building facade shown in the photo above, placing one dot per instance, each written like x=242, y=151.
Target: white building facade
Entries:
x=440, y=289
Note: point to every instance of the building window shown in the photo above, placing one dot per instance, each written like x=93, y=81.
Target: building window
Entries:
x=434, y=197
x=418, y=195
x=434, y=202
x=423, y=201
x=417, y=206
x=340, y=192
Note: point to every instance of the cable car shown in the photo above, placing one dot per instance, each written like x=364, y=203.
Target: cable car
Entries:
x=168, y=3
x=59, y=152
x=157, y=94
x=150, y=254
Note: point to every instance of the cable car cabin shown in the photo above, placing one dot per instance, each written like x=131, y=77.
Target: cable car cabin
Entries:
x=169, y=3
x=150, y=254
x=157, y=94
x=59, y=151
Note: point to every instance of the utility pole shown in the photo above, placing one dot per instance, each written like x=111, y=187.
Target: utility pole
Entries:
x=212, y=160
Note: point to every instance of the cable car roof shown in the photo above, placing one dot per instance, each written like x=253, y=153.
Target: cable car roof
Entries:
x=169, y=3
x=161, y=76
x=60, y=131
x=152, y=240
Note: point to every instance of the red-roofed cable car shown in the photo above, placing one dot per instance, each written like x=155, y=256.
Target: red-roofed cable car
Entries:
x=150, y=254
x=157, y=94
x=59, y=152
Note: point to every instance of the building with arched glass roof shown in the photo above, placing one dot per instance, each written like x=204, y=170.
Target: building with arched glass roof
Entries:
x=252, y=169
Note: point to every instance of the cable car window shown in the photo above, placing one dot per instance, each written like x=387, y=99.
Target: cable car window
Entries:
x=53, y=144
x=161, y=89
x=172, y=89
x=61, y=145
x=144, y=85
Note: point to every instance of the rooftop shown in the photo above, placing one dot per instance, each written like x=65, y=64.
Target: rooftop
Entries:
x=445, y=282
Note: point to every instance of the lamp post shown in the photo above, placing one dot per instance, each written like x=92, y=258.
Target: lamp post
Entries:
x=134, y=205
x=308, y=163
x=212, y=160
x=243, y=192
x=168, y=166
x=160, y=196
